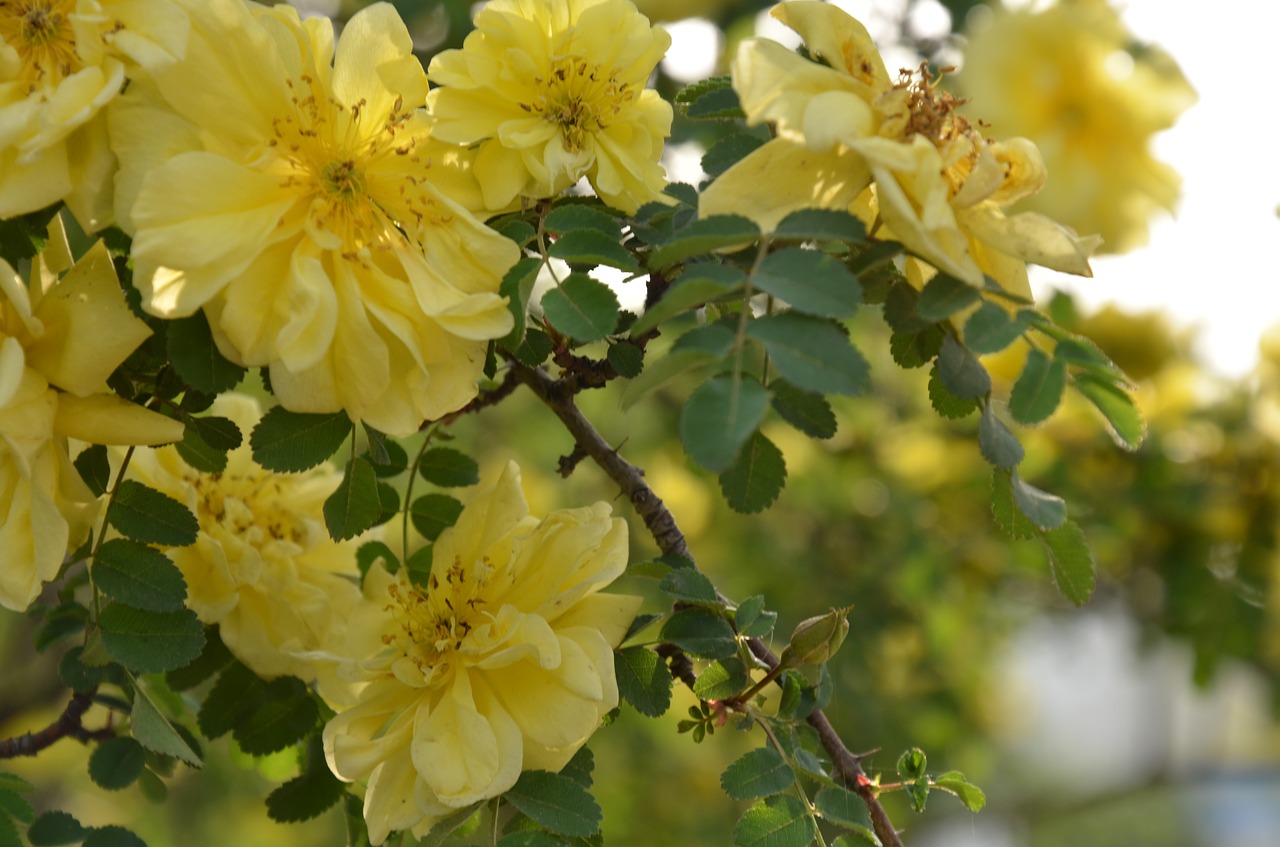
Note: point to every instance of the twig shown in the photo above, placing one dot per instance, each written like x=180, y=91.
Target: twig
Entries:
x=670, y=540
x=68, y=725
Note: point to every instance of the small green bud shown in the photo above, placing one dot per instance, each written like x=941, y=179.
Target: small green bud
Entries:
x=817, y=639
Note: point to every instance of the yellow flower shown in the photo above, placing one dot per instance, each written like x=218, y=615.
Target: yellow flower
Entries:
x=293, y=192
x=1069, y=78
x=503, y=662
x=898, y=154
x=552, y=91
x=59, y=341
x=263, y=567
x=61, y=63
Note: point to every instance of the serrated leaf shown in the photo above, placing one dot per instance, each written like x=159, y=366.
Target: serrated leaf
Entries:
x=1038, y=390
x=575, y=216
x=535, y=348
x=530, y=838
x=960, y=371
x=1005, y=510
x=752, y=619
x=517, y=229
x=956, y=783
x=719, y=417
x=517, y=286
x=756, y=477
x=9, y=833
x=807, y=411
x=721, y=679
x=236, y=693
x=1123, y=417
x=916, y=348
x=15, y=783
x=812, y=353
x=116, y=763
x=218, y=432
x=292, y=441
x=1071, y=561
x=54, y=828
x=16, y=807
x=432, y=514
x=720, y=103
x=842, y=806
x=945, y=403
x=448, y=468
x=308, y=794
x=285, y=716
x=355, y=504
x=689, y=586
x=704, y=235
x=627, y=359
x=196, y=357
x=94, y=468
x=821, y=225
x=148, y=516
x=139, y=576
x=728, y=151
x=212, y=658
x=643, y=680
x=990, y=329
x=700, y=633
x=900, y=307
x=698, y=284
x=112, y=836
x=777, y=821
x=78, y=675
x=757, y=773
x=999, y=446
x=581, y=767
x=150, y=642
x=912, y=763
x=592, y=247
x=810, y=281
x=943, y=296
x=418, y=566
x=197, y=453
x=1047, y=511
x=662, y=371
x=556, y=802
x=581, y=307
x=390, y=461
x=697, y=89
x=154, y=731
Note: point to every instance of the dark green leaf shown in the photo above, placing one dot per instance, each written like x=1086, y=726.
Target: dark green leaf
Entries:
x=233, y=697
x=1124, y=420
x=1038, y=390
x=916, y=348
x=390, y=461
x=286, y=716
x=211, y=660
x=990, y=329
x=961, y=372
x=821, y=225
x=947, y=404
x=150, y=642
x=139, y=576
x=1071, y=561
x=756, y=477
x=196, y=357
x=777, y=821
x=581, y=767
x=721, y=679
x=54, y=828
x=662, y=371
x=448, y=468
x=154, y=731
x=728, y=151
x=76, y=674
x=757, y=773
x=517, y=229
x=292, y=441
x=556, y=802
x=309, y=793
x=689, y=586
x=900, y=308
x=573, y=216
x=581, y=307
x=722, y=103
x=643, y=680
x=219, y=433
x=1043, y=509
x=116, y=763
x=704, y=235
x=752, y=619
x=112, y=836
x=531, y=838
x=700, y=633
x=15, y=806
x=702, y=87
x=64, y=620
x=999, y=446
x=810, y=281
x=842, y=806
x=697, y=284
x=912, y=764
x=9, y=833
x=535, y=348
x=197, y=453
x=971, y=795
x=146, y=515
x=918, y=793
x=94, y=468
x=356, y=504
x=432, y=514
x=1005, y=509
x=592, y=247
x=376, y=551
x=943, y=296
x=517, y=286
x=807, y=411
x=812, y=353
x=719, y=417
x=627, y=359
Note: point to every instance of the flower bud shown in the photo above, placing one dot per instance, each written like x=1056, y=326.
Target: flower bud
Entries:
x=816, y=640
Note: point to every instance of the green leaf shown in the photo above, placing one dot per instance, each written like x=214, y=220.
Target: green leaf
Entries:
x=1005, y=509
x=577, y=216
x=643, y=680
x=702, y=87
x=756, y=477
x=900, y=308
x=517, y=287
x=698, y=284
x=148, y=516
x=1038, y=390
x=432, y=514
x=727, y=151
x=197, y=453
x=448, y=468
x=704, y=235
x=943, y=296
x=912, y=764
x=842, y=806
x=14, y=783
x=376, y=551
x=1045, y=510
x=700, y=633
x=530, y=838
x=94, y=468
x=139, y=576
x=581, y=307
x=112, y=836
x=79, y=675
x=154, y=731
x=947, y=404
x=810, y=281
x=961, y=372
x=592, y=247
x=662, y=371
x=752, y=619
x=812, y=353
x=9, y=833
x=535, y=348
x=999, y=446
x=1071, y=562
x=916, y=348
x=292, y=441
x=516, y=228
x=627, y=359
x=990, y=329
x=389, y=458
x=556, y=802
x=807, y=411
x=722, y=103
x=15, y=806
x=196, y=358
x=956, y=783
x=309, y=793
x=116, y=763
x=355, y=504
x=581, y=767
x=1117, y=406
x=721, y=679
x=287, y=715
x=689, y=586
x=719, y=417
x=211, y=660
x=237, y=693
x=757, y=773
x=777, y=821
x=821, y=225
x=54, y=828
x=218, y=432
x=150, y=642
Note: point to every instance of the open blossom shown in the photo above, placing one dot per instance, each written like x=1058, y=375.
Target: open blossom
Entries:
x=501, y=663
x=61, y=63
x=263, y=567
x=899, y=154
x=290, y=188
x=59, y=341
x=552, y=91
x=1068, y=78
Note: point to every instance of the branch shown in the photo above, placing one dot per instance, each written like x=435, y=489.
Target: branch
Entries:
x=670, y=540
x=68, y=725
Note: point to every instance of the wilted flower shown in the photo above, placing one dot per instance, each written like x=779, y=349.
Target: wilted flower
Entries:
x=552, y=92
x=59, y=341
x=61, y=63
x=1070, y=78
x=263, y=567
x=897, y=153
x=501, y=662
x=295, y=195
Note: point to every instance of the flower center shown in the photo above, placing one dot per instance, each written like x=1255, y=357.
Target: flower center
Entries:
x=930, y=112
x=436, y=623
x=579, y=98
x=39, y=30
x=252, y=507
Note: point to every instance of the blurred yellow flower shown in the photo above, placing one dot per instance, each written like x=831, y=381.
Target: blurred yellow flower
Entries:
x=263, y=567
x=292, y=190
x=59, y=341
x=552, y=91
x=61, y=63
x=503, y=662
x=898, y=154
x=1070, y=78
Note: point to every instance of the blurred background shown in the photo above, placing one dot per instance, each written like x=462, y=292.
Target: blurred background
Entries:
x=1145, y=719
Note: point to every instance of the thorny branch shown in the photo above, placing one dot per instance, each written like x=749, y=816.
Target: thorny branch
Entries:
x=670, y=540
x=68, y=725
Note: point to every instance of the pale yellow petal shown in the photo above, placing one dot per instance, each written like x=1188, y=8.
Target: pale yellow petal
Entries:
x=839, y=39
x=108, y=419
